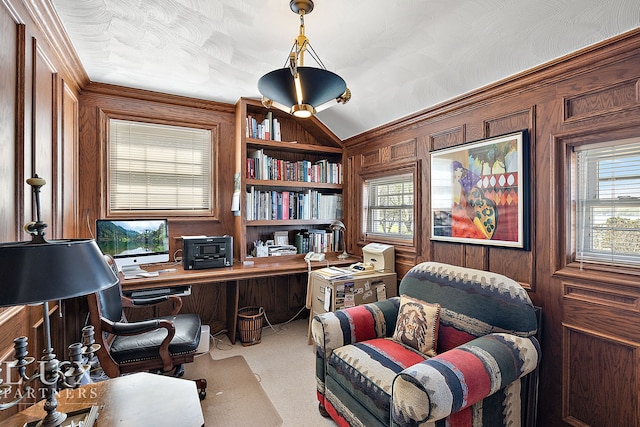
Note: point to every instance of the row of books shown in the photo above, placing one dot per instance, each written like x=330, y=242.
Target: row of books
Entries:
x=285, y=205
x=315, y=241
x=268, y=128
x=262, y=166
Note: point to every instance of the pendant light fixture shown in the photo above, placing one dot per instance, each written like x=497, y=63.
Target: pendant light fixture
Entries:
x=299, y=90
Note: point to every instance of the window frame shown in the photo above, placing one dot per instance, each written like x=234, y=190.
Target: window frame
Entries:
x=584, y=251
x=365, y=236
x=211, y=213
x=563, y=209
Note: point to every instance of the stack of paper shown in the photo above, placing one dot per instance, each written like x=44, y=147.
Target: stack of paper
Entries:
x=333, y=273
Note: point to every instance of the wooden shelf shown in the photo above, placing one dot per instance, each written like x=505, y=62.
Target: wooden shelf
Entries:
x=293, y=184
x=292, y=147
x=292, y=222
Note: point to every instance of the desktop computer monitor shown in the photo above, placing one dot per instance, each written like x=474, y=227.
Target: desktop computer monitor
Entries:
x=134, y=242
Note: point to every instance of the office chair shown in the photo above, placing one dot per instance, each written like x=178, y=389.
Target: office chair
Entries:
x=157, y=345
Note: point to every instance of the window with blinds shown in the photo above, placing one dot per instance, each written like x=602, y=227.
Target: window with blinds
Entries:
x=153, y=167
x=607, y=192
x=388, y=203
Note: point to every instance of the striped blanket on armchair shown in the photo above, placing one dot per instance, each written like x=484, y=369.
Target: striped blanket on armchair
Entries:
x=450, y=351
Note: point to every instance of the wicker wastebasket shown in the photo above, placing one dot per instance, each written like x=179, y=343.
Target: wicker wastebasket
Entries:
x=250, y=325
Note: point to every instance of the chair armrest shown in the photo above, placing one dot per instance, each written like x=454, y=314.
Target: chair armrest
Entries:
x=458, y=378
x=137, y=328
x=175, y=300
x=354, y=324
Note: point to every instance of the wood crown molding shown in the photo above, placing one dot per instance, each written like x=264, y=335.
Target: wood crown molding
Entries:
x=46, y=19
x=147, y=95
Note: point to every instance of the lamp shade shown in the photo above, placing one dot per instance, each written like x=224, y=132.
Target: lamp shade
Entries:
x=318, y=85
x=38, y=271
x=337, y=225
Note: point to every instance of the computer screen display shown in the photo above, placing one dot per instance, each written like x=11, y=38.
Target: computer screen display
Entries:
x=134, y=242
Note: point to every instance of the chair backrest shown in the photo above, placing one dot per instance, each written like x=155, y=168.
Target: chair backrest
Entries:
x=109, y=301
x=474, y=302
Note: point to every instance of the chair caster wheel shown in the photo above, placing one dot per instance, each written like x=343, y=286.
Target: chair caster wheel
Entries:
x=179, y=371
x=322, y=410
x=201, y=384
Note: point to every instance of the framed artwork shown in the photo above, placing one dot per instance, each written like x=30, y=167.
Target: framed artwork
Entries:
x=480, y=192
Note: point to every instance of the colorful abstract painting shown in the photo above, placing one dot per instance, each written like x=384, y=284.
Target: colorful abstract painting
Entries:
x=479, y=192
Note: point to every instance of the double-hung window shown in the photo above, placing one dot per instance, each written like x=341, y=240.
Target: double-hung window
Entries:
x=389, y=207
x=607, y=188
x=159, y=168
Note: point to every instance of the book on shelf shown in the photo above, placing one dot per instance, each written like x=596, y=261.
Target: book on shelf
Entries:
x=267, y=125
x=320, y=240
x=277, y=136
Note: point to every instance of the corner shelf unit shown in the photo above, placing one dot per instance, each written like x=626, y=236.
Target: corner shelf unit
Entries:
x=306, y=140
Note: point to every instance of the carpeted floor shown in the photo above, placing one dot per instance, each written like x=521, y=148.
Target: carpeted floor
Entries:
x=284, y=366
x=234, y=395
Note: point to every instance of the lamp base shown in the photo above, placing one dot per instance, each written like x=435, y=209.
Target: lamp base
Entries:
x=343, y=255
x=53, y=419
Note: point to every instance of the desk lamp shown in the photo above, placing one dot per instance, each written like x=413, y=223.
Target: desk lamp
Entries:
x=339, y=225
x=43, y=270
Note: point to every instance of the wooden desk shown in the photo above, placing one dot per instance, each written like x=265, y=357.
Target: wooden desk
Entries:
x=262, y=267
x=134, y=400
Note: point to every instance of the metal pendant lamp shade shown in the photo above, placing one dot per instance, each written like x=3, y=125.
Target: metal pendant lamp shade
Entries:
x=42, y=270
x=319, y=86
x=300, y=90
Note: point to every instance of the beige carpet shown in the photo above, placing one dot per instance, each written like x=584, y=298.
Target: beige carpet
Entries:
x=285, y=367
x=234, y=395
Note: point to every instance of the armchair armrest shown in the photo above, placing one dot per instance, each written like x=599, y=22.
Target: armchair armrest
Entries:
x=175, y=300
x=137, y=328
x=354, y=324
x=458, y=378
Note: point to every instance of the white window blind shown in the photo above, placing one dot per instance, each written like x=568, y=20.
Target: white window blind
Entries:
x=156, y=167
x=388, y=205
x=608, y=203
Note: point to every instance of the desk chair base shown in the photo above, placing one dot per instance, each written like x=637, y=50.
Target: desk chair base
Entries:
x=178, y=372
x=201, y=384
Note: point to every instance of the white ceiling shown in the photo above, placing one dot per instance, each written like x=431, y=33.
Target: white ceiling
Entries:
x=397, y=56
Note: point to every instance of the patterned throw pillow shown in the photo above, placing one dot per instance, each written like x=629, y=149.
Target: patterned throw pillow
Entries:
x=417, y=325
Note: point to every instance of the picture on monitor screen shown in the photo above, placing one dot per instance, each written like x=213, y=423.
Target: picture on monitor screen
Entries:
x=134, y=242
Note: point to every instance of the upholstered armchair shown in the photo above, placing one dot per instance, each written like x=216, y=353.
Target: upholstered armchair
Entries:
x=454, y=349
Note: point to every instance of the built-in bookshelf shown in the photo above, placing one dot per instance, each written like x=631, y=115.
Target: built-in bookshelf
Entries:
x=290, y=174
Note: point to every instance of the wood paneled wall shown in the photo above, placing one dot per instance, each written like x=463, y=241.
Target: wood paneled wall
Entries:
x=590, y=372
x=39, y=85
